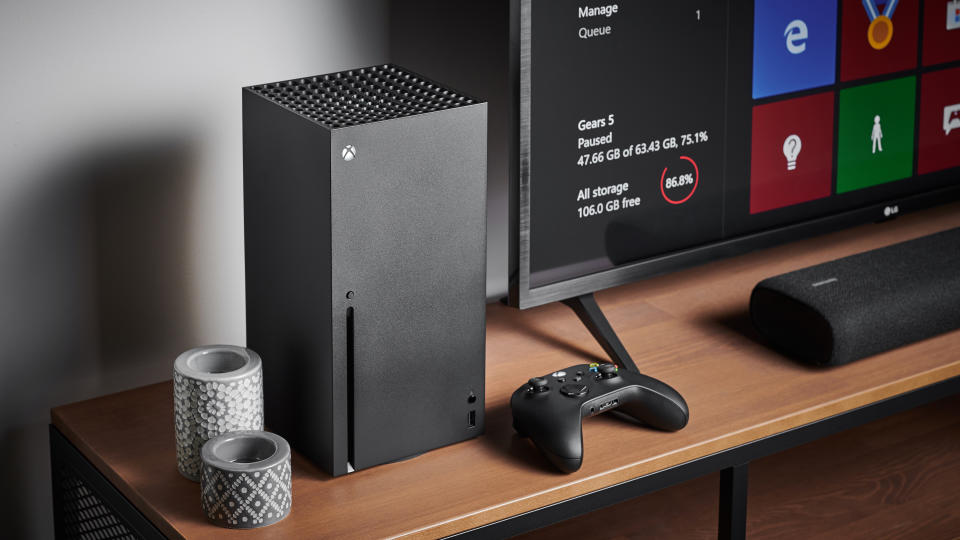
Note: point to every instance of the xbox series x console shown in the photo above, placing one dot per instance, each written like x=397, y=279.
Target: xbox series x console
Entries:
x=364, y=218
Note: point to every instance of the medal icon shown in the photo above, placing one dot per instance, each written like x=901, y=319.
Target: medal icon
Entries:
x=880, y=31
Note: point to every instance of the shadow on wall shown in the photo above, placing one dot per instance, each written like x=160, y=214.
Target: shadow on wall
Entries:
x=140, y=215
x=95, y=289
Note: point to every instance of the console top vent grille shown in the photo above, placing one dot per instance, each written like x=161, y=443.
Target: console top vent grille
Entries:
x=361, y=96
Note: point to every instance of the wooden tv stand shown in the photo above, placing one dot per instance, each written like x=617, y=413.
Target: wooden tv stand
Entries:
x=690, y=329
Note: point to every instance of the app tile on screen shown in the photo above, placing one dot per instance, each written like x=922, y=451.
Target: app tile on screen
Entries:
x=939, y=121
x=875, y=137
x=794, y=46
x=792, y=152
x=941, y=32
x=878, y=37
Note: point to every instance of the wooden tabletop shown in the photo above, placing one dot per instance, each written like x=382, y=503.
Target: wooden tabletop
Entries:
x=690, y=329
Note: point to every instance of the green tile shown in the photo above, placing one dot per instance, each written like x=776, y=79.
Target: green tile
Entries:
x=859, y=163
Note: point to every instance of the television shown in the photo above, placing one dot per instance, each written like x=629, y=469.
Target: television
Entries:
x=636, y=138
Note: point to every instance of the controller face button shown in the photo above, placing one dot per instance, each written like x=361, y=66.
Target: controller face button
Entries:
x=573, y=390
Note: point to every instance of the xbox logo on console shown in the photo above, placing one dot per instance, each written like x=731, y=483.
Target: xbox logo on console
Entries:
x=349, y=152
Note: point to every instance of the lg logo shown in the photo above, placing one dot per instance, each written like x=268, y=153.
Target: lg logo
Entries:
x=796, y=34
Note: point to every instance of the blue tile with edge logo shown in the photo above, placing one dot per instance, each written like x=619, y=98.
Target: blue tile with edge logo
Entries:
x=794, y=45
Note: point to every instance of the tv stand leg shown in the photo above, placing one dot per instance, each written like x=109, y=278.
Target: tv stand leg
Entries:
x=585, y=306
x=733, y=503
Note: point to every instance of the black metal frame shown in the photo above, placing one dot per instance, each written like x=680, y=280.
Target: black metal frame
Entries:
x=732, y=463
x=733, y=502
x=63, y=453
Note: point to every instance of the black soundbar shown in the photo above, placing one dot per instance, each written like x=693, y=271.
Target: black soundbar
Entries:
x=858, y=306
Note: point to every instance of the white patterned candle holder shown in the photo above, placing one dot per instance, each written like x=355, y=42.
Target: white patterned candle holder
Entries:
x=216, y=390
x=246, y=480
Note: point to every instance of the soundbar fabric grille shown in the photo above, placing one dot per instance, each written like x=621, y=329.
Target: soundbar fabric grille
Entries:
x=361, y=96
x=865, y=304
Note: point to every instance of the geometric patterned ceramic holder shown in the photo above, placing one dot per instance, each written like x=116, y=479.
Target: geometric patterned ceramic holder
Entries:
x=246, y=479
x=216, y=390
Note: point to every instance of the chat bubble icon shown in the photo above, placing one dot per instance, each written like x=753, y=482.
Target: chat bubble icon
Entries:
x=951, y=118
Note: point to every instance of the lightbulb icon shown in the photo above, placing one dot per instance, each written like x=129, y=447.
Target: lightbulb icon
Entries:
x=791, y=149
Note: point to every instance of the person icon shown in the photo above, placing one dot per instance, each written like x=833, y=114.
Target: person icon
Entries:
x=877, y=135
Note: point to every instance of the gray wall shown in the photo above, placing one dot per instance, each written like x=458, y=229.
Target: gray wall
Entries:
x=121, y=224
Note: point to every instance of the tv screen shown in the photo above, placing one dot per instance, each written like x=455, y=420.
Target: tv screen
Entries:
x=655, y=135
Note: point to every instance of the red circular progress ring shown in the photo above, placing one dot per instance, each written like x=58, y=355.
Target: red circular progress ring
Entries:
x=696, y=180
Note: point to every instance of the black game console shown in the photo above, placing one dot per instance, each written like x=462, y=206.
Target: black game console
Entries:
x=364, y=214
x=549, y=409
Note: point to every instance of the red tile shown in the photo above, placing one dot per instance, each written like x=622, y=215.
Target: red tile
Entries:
x=773, y=183
x=941, y=31
x=939, y=121
x=859, y=59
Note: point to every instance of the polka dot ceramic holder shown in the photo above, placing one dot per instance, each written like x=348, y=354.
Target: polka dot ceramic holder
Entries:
x=216, y=390
x=245, y=482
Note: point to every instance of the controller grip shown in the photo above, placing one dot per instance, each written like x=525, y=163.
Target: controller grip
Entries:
x=657, y=404
x=559, y=438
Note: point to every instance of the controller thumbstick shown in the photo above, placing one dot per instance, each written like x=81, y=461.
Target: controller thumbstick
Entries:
x=538, y=384
x=607, y=371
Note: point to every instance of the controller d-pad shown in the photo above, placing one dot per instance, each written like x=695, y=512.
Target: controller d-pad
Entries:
x=573, y=390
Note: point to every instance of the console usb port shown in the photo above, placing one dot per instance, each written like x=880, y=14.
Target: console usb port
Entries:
x=472, y=419
x=609, y=404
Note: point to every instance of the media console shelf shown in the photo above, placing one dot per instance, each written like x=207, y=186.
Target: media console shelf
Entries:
x=690, y=329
